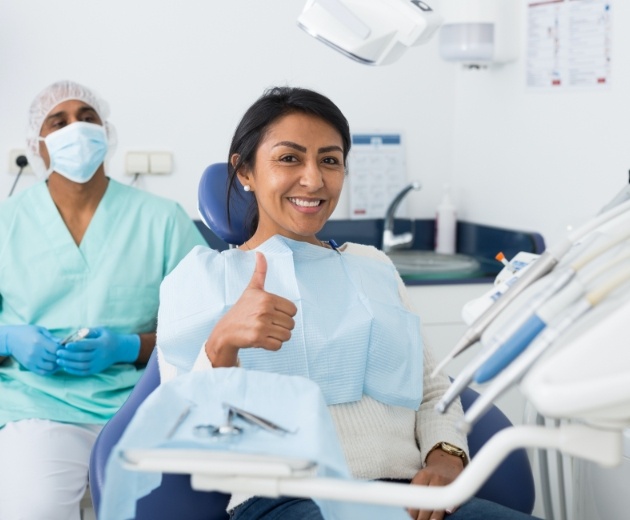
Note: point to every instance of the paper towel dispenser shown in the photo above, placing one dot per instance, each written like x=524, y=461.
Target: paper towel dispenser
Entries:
x=478, y=33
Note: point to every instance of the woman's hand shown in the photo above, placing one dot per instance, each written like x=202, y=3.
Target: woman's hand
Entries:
x=258, y=319
x=441, y=469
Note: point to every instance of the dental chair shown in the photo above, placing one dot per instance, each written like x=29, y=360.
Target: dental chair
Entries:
x=511, y=484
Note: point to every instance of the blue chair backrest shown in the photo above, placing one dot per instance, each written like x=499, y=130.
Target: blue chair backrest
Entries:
x=511, y=485
x=212, y=205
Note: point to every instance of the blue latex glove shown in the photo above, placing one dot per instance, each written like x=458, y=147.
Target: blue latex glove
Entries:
x=34, y=347
x=100, y=349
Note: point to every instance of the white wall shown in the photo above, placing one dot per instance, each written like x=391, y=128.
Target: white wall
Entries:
x=179, y=74
x=541, y=160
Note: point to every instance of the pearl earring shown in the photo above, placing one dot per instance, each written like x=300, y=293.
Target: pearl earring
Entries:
x=246, y=188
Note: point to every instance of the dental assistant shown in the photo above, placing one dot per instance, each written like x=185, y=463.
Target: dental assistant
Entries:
x=288, y=303
x=77, y=250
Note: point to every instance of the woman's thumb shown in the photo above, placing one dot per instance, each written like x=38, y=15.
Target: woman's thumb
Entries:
x=260, y=272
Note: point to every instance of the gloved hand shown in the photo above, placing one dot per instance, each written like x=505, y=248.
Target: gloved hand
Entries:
x=100, y=349
x=34, y=347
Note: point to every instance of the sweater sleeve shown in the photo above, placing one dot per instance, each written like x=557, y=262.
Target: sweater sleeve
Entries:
x=169, y=371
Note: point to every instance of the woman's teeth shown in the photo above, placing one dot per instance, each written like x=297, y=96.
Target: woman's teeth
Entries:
x=305, y=203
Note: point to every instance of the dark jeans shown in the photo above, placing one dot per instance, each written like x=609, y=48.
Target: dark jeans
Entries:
x=260, y=508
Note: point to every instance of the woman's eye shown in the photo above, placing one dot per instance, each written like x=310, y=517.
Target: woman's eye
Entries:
x=331, y=160
x=288, y=158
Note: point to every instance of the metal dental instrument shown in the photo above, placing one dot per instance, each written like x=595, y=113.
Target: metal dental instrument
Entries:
x=182, y=417
x=543, y=265
x=208, y=430
x=517, y=370
x=265, y=424
x=225, y=430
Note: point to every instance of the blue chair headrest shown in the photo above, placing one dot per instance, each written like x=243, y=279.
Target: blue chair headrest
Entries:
x=212, y=205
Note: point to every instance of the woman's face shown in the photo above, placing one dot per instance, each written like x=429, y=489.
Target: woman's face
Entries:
x=297, y=177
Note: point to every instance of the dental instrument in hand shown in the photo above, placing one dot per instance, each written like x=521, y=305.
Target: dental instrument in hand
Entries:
x=519, y=367
x=508, y=342
x=543, y=265
x=75, y=336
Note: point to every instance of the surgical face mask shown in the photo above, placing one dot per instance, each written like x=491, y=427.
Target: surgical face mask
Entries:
x=77, y=150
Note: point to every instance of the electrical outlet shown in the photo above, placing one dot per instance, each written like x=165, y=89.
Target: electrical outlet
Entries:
x=13, y=167
x=160, y=163
x=137, y=163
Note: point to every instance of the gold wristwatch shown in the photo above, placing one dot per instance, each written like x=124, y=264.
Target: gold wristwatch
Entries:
x=449, y=448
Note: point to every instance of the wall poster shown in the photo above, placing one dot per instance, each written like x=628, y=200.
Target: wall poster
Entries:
x=377, y=174
x=569, y=44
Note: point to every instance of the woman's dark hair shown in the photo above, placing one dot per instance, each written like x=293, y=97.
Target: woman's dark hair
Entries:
x=273, y=104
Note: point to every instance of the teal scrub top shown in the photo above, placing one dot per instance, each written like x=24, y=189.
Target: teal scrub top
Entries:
x=112, y=279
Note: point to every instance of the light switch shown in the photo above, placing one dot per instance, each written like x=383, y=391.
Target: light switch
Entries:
x=160, y=163
x=136, y=162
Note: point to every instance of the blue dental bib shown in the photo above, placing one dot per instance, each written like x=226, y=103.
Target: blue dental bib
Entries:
x=352, y=335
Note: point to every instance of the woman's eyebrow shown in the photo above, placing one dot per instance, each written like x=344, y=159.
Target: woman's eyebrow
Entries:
x=291, y=144
x=299, y=147
x=333, y=148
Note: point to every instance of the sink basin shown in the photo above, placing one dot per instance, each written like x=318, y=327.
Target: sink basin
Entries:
x=429, y=265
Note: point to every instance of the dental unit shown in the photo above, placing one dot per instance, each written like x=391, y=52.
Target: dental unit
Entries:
x=514, y=365
x=543, y=265
x=523, y=327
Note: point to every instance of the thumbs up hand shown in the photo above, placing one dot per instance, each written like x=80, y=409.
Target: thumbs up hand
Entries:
x=257, y=319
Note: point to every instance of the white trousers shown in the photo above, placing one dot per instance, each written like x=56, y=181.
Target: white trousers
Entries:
x=44, y=469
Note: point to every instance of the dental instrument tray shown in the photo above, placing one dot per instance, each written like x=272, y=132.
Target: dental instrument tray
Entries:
x=211, y=462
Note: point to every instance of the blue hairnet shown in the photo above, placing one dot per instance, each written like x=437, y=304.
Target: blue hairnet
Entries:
x=48, y=99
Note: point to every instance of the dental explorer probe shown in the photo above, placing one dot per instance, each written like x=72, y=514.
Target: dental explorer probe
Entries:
x=544, y=264
x=515, y=372
x=524, y=328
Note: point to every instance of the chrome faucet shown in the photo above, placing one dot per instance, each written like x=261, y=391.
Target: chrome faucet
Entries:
x=391, y=241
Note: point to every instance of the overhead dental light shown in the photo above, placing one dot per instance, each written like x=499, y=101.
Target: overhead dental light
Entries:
x=372, y=32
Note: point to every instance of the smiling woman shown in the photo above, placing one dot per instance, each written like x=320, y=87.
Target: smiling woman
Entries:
x=286, y=303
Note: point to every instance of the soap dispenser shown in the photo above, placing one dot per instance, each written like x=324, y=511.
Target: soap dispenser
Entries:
x=446, y=225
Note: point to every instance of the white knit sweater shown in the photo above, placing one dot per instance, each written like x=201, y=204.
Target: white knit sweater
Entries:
x=379, y=440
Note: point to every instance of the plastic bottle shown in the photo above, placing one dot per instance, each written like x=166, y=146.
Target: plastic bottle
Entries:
x=445, y=224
